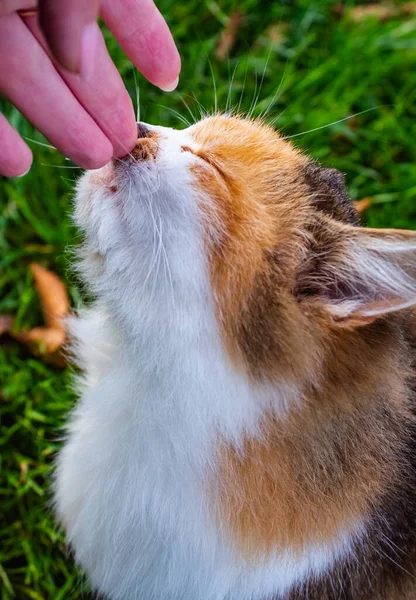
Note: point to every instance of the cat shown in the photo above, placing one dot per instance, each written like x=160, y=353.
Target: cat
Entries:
x=245, y=428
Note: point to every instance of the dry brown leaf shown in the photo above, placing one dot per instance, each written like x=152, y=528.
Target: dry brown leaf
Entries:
x=276, y=33
x=24, y=469
x=47, y=341
x=409, y=8
x=53, y=296
x=362, y=205
x=42, y=340
x=6, y=323
x=57, y=359
x=382, y=11
x=338, y=9
x=229, y=35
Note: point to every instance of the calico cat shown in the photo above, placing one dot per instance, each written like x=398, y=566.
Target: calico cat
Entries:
x=246, y=422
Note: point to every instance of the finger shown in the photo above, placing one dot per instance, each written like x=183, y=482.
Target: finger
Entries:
x=32, y=84
x=144, y=35
x=67, y=28
x=9, y=6
x=102, y=94
x=15, y=156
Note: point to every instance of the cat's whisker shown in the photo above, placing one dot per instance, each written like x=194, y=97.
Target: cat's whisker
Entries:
x=262, y=79
x=242, y=91
x=137, y=87
x=289, y=137
x=202, y=110
x=159, y=255
x=273, y=122
x=194, y=119
x=130, y=154
x=154, y=252
x=205, y=53
x=39, y=143
x=60, y=166
x=214, y=83
x=230, y=89
x=263, y=142
x=253, y=102
x=176, y=113
x=229, y=83
x=165, y=257
x=275, y=97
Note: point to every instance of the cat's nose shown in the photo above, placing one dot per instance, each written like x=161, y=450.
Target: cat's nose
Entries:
x=142, y=131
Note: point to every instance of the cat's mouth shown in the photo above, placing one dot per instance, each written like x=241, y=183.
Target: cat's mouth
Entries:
x=146, y=148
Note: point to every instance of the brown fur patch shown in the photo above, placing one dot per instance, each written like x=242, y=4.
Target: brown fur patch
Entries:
x=145, y=148
x=257, y=202
x=324, y=467
x=331, y=196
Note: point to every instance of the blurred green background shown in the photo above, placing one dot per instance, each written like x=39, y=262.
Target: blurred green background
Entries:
x=329, y=61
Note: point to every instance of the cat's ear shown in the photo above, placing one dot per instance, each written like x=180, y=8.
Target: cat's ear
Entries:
x=329, y=193
x=356, y=275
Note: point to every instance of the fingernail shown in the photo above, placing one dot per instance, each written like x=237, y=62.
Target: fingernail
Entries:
x=169, y=87
x=23, y=174
x=89, y=45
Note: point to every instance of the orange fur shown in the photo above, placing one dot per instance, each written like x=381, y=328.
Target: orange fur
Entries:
x=250, y=164
x=146, y=147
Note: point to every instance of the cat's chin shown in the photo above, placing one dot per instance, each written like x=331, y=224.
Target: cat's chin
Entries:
x=104, y=176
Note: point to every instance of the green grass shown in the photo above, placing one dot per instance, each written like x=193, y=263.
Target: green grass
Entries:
x=327, y=68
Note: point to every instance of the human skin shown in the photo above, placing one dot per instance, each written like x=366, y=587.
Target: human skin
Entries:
x=55, y=68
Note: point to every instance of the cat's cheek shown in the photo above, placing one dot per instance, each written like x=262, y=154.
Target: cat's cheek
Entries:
x=93, y=188
x=103, y=176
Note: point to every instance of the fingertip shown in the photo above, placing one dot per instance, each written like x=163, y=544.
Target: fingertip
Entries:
x=25, y=162
x=145, y=37
x=124, y=145
x=92, y=153
x=165, y=67
x=19, y=169
x=25, y=171
x=170, y=87
x=15, y=156
x=96, y=160
x=121, y=127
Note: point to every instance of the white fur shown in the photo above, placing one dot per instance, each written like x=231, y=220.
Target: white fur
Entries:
x=381, y=275
x=135, y=485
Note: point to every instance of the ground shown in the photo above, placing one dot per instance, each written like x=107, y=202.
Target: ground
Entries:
x=328, y=61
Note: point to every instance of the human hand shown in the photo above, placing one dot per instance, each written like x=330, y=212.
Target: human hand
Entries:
x=55, y=68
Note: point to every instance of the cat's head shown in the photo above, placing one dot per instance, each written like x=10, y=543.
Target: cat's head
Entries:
x=228, y=212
